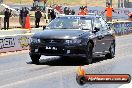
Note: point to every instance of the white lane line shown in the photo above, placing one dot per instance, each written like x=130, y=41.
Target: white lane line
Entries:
x=126, y=85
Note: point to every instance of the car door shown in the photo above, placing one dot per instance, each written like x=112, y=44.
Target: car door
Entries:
x=99, y=43
x=106, y=31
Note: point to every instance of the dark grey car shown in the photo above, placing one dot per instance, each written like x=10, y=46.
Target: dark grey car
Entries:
x=85, y=36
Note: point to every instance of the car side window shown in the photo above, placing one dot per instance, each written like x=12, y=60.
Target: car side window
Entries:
x=104, y=24
x=97, y=23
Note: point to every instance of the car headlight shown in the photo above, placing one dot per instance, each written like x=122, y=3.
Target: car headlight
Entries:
x=35, y=40
x=74, y=41
x=68, y=41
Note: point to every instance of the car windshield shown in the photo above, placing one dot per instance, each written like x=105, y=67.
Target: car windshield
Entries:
x=71, y=23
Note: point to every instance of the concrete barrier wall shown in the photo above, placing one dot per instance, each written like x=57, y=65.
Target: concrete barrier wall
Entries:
x=121, y=27
x=15, y=42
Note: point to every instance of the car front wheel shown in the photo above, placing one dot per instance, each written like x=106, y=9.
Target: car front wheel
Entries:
x=89, y=53
x=35, y=58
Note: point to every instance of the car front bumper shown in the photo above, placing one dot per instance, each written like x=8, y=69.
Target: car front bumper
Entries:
x=58, y=50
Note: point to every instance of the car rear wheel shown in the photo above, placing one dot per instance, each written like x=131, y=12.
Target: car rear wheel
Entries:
x=35, y=59
x=89, y=53
x=111, y=53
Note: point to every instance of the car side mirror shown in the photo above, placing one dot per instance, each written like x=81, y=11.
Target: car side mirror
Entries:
x=96, y=30
x=44, y=27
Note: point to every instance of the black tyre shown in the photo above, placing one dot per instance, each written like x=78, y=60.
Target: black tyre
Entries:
x=89, y=53
x=35, y=59
x=111, y=53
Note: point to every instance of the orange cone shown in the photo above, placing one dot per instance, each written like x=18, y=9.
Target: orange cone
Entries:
x=27, y=24
x=81, y=71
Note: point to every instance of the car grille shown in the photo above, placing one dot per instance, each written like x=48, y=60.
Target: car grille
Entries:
x=49, y=41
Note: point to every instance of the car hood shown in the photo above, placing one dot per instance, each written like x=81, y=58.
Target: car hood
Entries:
x=60, y=34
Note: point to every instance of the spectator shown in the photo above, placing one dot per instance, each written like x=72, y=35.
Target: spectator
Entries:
x=21, y=15
x=82, y=12
x=58, y=8
x=65, y=10
x=130, y=16
x=49, y=10
x=68, y=11
x=86, y=10
x=7, y=14
x=52, y=14
x=108, y=11
x=73, y=12
x=25, y=13
x=38, y=16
